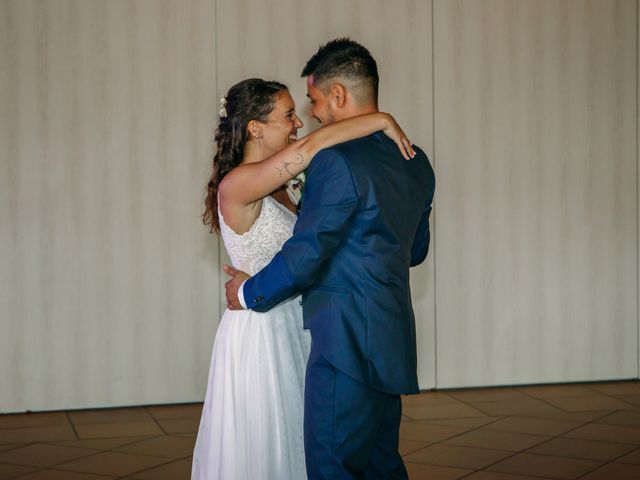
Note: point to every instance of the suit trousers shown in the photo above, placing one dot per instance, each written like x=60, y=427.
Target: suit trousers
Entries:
x=350, y=429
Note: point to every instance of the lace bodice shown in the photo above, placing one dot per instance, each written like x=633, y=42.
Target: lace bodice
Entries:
x=254, y=249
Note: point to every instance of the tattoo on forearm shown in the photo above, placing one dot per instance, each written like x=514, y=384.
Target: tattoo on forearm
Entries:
x=298, y=160
x=286, y=167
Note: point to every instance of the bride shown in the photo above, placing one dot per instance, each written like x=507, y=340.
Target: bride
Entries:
x=251, y=425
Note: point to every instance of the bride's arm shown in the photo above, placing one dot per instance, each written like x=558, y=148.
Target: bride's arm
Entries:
x=250, y=182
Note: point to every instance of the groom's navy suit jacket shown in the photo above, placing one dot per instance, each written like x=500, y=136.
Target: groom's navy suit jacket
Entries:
x=364, y=221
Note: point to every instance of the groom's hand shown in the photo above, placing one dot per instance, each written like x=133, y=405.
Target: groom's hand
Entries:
x=233, y=285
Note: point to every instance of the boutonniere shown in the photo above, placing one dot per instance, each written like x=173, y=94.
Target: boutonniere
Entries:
x=295, y=187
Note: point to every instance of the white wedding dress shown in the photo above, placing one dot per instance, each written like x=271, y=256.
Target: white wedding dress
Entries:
x=251, y=425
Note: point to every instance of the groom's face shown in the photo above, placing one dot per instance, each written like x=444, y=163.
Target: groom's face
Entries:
x=321, y=108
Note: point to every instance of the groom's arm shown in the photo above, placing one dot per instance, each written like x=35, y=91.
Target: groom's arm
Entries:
x=330, y=200
x=422, y=238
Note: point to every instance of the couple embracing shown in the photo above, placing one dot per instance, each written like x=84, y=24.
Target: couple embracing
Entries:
x=309, y=386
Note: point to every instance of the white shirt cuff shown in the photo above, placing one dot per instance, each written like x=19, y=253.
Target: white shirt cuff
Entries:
x=241, y=295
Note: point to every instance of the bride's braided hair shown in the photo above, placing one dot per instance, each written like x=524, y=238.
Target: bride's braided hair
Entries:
x=251, y=99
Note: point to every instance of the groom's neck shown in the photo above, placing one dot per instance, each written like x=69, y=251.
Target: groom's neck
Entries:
x=355, y=110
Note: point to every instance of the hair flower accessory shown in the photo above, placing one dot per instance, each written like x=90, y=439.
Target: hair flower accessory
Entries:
x=222, y=108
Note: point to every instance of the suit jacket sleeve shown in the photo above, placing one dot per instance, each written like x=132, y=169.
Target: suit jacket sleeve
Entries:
x=330, y=201
x=420, y=246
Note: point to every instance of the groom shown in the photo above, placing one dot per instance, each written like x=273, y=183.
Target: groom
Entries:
x=364, y=222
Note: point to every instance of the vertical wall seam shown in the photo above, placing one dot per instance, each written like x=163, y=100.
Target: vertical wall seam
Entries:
x=433, y=159
x=637, y=210
x=217, y=86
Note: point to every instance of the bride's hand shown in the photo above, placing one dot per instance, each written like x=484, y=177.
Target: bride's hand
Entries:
x=395, y=133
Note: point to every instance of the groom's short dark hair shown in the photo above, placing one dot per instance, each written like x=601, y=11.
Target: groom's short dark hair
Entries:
x=345, y=59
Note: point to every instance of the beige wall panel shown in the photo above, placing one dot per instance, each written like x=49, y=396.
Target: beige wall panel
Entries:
x=536, y=144
x=108, y=280
x=274, y=39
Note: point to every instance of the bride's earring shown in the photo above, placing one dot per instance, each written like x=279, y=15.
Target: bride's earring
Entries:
x=259, y=137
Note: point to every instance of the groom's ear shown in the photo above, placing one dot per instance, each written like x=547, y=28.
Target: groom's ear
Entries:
x=337, y=94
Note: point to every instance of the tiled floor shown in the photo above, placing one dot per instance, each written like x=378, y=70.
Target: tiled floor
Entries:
x=587, y=431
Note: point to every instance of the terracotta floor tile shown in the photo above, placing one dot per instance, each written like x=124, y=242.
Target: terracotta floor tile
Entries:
x=633, y=458
x=37, y=434
x=536, y=426
x=102, y=443
x=617, y=388
x=589, y=404
x=614, y=471
x=180, y=425
x=10, y=446
x=468, y=423
x=607, y=433
x=423, y=432
x=167, y=446
x=488, y=395
x=120, y=429
x=27, y=420
x=624, y=417
x=427, y=398
x=113, y=463
x=455, y=456
x=544, y=466
x=409, y=446
x=180, y=469
x=443, y=410
x=110, y=416
x=60, y=475
x=485, y=475
x=444, y=435
x=482, y=438
x=42, y=455
x=581, y=417
x=419, y=471
x=632, y=399
x=176, y=411
x=12, y=471
x=584, y=449
x=526, y=406
x=562, y=391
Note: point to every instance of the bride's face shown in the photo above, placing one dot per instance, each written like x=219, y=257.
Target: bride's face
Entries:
x=282, y=124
